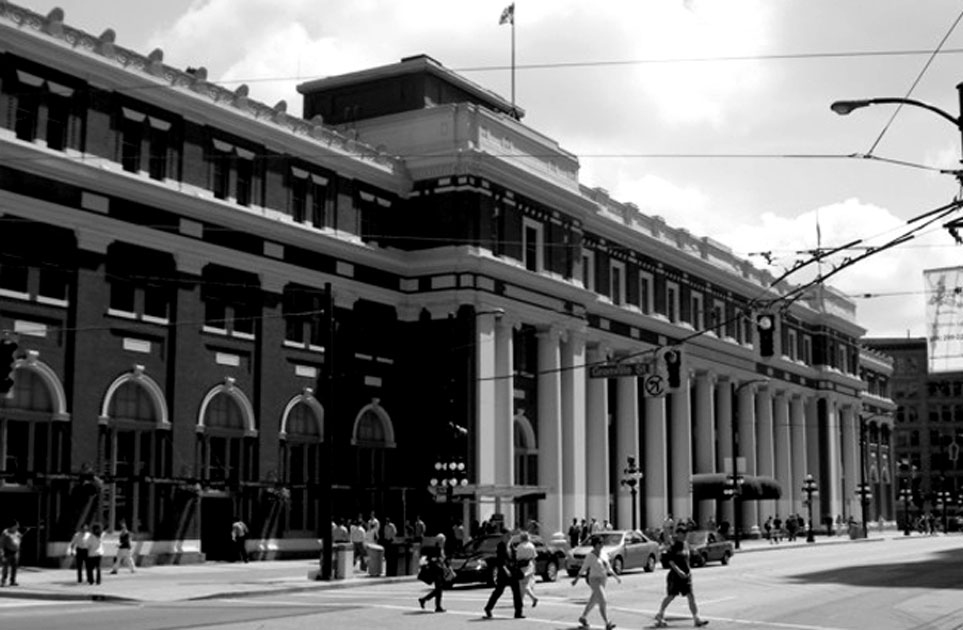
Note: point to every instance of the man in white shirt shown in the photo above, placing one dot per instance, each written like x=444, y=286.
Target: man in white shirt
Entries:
x=525, y=554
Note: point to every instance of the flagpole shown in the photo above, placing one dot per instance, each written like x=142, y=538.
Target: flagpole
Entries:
x=513, y=63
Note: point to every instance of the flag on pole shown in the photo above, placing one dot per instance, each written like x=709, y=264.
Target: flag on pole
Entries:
x=508, y=15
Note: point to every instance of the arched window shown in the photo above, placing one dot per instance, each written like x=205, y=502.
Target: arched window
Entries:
x=137, y=446
x=373, y=435
x=526, y=454
x=226, y=456
x=301, y=438
x=34, y=441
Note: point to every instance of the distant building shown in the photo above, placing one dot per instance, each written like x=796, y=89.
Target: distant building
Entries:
x=929, y=422
x=226, y=310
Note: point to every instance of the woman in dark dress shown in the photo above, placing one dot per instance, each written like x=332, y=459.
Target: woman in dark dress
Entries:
x=438, y=563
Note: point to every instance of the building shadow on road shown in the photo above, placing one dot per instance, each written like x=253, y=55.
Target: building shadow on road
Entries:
x=936, y=571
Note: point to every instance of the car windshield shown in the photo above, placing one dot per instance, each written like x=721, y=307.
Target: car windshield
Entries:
x=610, y=540
x=486, y=545
x=695, y=538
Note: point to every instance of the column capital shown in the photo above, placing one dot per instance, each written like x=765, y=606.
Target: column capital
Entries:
x=553, y=332
x=706, y=375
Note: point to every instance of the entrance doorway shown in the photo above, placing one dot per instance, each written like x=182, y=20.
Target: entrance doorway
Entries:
x=217, y=514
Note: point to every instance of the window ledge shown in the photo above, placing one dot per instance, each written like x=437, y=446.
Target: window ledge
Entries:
x=113, y=312
x=16, y=295
x=52, y=301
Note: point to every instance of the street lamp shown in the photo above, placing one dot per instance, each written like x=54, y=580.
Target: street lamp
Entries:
x=733, y=489
x=448, y=475
x=906, y=494
x=810, y=487
x=844, y=108
x=631, y=479
x=863, y=491
x=943, y=497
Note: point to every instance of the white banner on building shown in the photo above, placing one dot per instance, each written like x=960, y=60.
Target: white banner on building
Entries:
x=944, y=318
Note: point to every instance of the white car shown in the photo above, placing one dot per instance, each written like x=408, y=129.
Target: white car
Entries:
x=625, y=549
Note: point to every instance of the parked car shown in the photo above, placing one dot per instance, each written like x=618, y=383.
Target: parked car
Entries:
x=475, y=563
x=625, y=549
x=708, y=546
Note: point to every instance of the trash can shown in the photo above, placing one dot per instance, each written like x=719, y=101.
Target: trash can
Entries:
x=342, y=560
x=376, y=559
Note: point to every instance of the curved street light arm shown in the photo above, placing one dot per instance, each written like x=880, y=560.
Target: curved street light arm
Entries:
x=844, y=108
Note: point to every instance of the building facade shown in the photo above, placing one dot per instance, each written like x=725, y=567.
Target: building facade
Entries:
x=224, y=310
x=928, y=431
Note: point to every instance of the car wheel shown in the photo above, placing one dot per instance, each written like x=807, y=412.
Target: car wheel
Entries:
x=650, y=564
x=617, y=565
x=725, y=557
x=703, y=559
x=551, y=572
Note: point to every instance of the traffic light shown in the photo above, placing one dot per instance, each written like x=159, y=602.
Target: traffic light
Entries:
x=765, y=325
x=670, y=360
x=8, y=347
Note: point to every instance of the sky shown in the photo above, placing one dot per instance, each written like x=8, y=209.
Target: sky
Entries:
x=713, y=115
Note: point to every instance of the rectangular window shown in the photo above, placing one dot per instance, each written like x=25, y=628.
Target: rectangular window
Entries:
x=532, y=246
x=14, y=276
x=27, y=114
x=159, y=148
x=646, y=295
x=215, y=314
x=792, y=350
x=318, y=200
x=617, y=278
x=299, y=199
x=156, y=303
x=131, y=144
x=588, y=270
x=698, y=317
x=122, y=296
x=53, y=284
x=245, y=178
x=221, y=174
x=718, y=316
x=672, y=301
x=807, y=349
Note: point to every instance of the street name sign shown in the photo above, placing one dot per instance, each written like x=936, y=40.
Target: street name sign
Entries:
x=610, y=370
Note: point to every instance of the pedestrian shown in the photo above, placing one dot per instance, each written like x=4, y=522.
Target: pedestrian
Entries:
x=123, y=550
x=438, y=563
x=768, y=527
x=374, y=524
x=460, y=538
x=678, y=580
x=239, y=538
x=10, y=553
x=391, y=532
x=504, y=577
x=78, y=549
x=596, y=571
x=420, y=529
x=777, y=529
x=95, y=553
x=574, y=534
x=668, y=526
x=357, y=537
x=525, y=555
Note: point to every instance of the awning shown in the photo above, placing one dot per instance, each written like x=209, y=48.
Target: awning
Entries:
x=713, y=485
x=493, y=491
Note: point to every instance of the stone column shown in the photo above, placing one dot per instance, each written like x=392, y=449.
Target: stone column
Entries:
x=596, y=441
x=813, y=455
x=655, y=463
x=783, y=463
x=850, y=458
x=505, y=411
x=724, y=439
x=486, y=446
x=765, y=462
x=797, y=438
x=550, y=429
x=746, y=449
x=680, y=460
x=831, y=486
x=626, y=444
x=704, y=439
x=573, y=427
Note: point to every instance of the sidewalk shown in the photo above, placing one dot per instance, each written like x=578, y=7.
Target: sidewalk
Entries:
x=219, y=579
x=171, y=583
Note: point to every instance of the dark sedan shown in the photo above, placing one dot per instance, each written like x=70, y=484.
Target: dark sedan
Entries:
x=708, y=546
x=475, y=563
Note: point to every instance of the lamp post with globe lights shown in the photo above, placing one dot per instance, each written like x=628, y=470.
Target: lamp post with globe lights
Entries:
x=810, y=487
x=631, y=480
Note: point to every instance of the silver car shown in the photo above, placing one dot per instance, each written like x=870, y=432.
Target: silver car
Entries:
x=625, y=549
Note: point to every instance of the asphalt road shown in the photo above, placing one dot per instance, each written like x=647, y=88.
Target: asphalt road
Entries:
x=884, y=585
